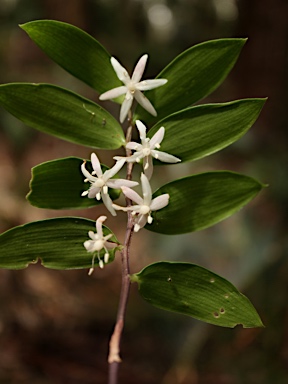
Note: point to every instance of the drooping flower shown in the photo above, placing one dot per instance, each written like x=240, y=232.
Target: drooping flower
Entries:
x=144, y=206
x=97, y=243
x=102, y=181
x=132, y=87
x=146, y=150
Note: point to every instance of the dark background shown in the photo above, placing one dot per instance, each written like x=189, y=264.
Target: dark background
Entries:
x=55, y=325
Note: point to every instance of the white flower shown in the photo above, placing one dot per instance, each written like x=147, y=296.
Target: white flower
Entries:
x=132, y=87
x=144, y=206
x=146, y=150
x=103, y=181
x=99, y=242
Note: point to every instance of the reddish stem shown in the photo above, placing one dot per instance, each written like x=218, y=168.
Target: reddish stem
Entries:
x=114, y=345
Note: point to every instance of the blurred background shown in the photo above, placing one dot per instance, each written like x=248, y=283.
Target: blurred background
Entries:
x=55, y=325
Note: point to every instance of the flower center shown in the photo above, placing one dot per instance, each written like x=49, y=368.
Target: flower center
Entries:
x=131, y=87
x=98, y=245
x=146, y=151
x=144, y=210
x=99, y=183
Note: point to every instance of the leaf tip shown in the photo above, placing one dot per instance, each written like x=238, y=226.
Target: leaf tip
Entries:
x=24, y=26
x=257, y=324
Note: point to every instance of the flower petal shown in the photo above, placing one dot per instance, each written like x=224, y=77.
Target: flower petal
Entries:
x=134, y=208
x=92, y=235
x=88, y=244
x=115, y=169
x=117, y=158
x=125, y=107
x=121, y=72
x=96, y=165
x=146, y=188
x=132, y=195
x=159, y=202
x=140, y=222
x=145, y=85
x=118, y=183
x=108, y=203
x=133, y=145
x=110, y=245
x=93, y=191
x=136, y=157
x=107, y=237
x=99, y=223
x=113, y=93
x=119, y=207
x=148, y=166
x=86, y=173
x=139, y=69
x=145, y=103
x=142, y=129
x=165, y=157
x=157, y=138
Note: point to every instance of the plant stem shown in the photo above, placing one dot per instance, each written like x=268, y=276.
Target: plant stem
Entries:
x=114, y=345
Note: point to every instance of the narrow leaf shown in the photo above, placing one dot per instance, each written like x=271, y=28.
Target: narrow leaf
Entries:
x=63, y=114
x=195, y=291
x=75, y=51
x=58, y=184
x=202, y=130
x=57, y=242
x=200, y=201
x=192, y=75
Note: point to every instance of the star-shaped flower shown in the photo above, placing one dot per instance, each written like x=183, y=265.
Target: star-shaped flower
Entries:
x=132, y=87
x=103, y=181
x=144, y=206
x=99, y=242
x=146, y=150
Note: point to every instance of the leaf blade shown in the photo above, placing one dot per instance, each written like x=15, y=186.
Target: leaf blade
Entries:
x=199, y=131
x=62, y=113
x=191, y=76
x=75, y=51
x=58, y=184
x=200, y=201
x=197, y=292
x=57, y=242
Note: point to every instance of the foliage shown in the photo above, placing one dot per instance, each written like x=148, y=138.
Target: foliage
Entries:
x=183, y=205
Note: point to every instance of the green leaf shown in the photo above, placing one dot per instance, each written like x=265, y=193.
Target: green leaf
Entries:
x=192, y=75
x=202, y=130
x=63, y=114
x=57, y=242
x=195, y=291
x=200, y=201
x=75, y=51
x=58, y=184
